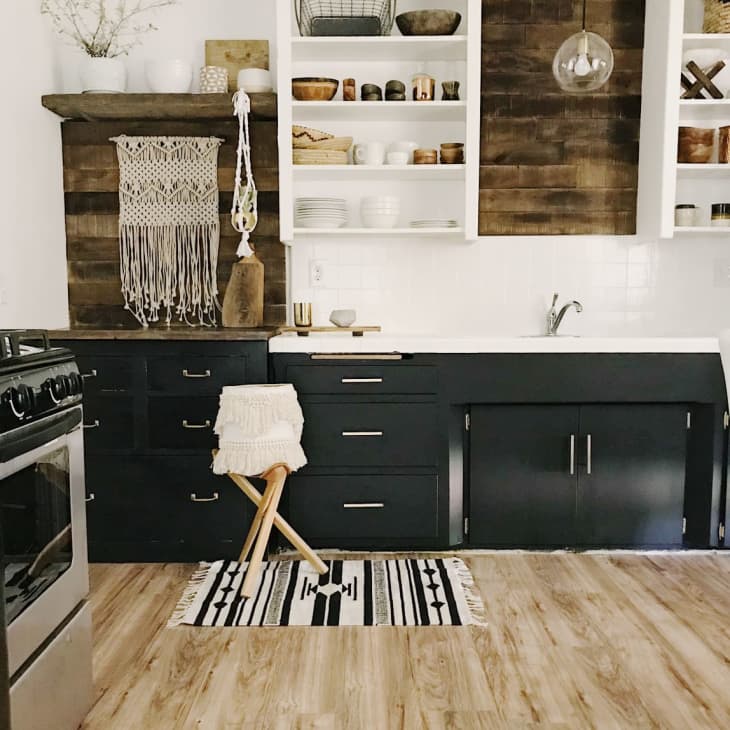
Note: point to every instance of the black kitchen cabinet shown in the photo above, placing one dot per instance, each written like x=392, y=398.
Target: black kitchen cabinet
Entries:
x=520, y=487
x=149, y=411
x=606, y=475
x=632, y=475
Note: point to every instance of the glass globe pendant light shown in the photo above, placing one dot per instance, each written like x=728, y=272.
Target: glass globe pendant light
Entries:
x=584, y=62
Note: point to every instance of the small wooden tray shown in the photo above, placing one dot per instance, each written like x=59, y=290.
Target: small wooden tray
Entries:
x=355, y=331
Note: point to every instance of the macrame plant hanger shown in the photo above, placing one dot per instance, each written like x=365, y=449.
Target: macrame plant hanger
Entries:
x=244, y=214
x=243, y=304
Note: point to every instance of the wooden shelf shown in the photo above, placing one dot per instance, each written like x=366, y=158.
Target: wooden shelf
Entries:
x=380, y=49
x=102, y=107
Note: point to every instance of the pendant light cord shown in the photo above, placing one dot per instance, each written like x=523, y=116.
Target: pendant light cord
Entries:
x=584, y=14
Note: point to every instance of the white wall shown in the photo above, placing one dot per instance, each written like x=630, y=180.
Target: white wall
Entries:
x=32, y=241
x=495, y=286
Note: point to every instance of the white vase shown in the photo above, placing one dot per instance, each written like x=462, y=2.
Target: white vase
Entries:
x=103, y=75
x=173, y=76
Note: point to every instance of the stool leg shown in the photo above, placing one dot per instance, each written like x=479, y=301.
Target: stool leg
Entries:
x=255, y=525
x=275, y=479
x=280, y=523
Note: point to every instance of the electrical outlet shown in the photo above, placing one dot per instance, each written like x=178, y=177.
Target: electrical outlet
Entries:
x=317, y=273
x=721, y=273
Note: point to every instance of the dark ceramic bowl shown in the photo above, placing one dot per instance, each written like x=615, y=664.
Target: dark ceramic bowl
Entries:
x=428, y=22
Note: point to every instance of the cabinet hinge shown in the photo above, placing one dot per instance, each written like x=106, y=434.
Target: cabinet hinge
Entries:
x=689, y=420
x=467, y=421
x=684, y=525
x=726, y=420
x=466, y=525
x=721, y=531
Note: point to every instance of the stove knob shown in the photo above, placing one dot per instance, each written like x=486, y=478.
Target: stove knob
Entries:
x=56, y=388
x=75, y=384
x=20, y=399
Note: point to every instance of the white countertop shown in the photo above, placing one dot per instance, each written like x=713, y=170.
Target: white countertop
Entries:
x=390, y=342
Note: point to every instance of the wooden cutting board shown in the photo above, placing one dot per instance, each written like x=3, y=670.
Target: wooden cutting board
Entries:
x=235, y=55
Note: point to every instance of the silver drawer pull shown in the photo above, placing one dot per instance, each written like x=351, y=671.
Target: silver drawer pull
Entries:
x=89, y=426
x=363, y=505
x=362, y=434
x=351, y=381
x=187, y=374
x=195, y=426
x=194, y=498
x=589, y=454
x=91, y=497
x=92, y=374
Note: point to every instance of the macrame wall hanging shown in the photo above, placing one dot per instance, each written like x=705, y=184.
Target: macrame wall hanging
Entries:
x=169, y=230
x=243, y=305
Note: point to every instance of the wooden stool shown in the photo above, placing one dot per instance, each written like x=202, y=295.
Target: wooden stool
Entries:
x=266, y=517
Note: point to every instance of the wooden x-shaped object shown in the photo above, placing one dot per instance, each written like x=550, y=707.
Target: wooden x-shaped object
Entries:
x=703, y=83
x=267, y=517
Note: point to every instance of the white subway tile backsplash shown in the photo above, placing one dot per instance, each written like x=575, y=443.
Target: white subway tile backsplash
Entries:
x=503, y=285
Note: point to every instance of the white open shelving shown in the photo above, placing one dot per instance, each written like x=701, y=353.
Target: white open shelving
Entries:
x=426, y=191
x=672, y=28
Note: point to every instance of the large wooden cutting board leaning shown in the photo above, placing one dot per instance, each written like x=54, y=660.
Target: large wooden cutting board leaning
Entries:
x=235, y=55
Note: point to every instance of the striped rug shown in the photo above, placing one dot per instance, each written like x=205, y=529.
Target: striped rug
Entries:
x=411, y=592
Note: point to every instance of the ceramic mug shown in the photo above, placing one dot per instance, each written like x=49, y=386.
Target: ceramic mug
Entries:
x=369, y=153
x=406, y=147
x=397, y=158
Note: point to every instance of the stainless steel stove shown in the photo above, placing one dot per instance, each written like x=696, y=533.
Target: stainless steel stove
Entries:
x=43, y=533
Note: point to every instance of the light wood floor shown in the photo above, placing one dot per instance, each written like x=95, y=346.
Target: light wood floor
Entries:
x=574, y=641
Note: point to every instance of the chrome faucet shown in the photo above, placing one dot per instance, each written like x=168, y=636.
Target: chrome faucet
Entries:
x=554, y=318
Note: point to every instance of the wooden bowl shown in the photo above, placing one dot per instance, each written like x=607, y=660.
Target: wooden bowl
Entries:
x=314, y=89
x=428, y=22
x=695, y=145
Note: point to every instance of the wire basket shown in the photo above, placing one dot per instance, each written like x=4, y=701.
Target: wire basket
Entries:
x=309, y=11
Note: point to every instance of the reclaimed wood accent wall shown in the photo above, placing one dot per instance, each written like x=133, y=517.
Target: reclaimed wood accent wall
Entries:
x=91, y=184
x=553, y=163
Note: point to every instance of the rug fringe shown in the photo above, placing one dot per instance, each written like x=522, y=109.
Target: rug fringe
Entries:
x=471, y=595
x=189, y=595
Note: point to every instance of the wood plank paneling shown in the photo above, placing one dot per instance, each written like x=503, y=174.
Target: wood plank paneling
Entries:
x=554, y=163
x=91, y=182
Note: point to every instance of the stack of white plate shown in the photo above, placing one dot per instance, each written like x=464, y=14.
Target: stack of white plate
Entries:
x=435, y=223
x=380, y=211
x=320, y=212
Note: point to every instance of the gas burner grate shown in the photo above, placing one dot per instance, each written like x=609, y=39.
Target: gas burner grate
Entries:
x=11, y=342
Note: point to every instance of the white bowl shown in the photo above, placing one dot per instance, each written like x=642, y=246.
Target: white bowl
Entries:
x=380, y=220
x=255, y=80
x=174, y=76
x=343, y=317
x=388, y=200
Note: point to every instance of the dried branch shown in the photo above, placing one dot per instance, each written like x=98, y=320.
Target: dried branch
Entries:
x=100, y=30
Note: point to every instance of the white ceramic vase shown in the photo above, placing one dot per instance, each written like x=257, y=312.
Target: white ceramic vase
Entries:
x=174, y=76
x=103, y=75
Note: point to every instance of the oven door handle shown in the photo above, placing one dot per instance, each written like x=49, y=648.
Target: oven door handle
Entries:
x=34, y=435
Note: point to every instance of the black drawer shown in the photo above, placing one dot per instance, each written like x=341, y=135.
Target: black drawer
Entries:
x=370, y=434
x=182, y=423
x=358, y=379
x=109, y=422
x=169, y=502
x=363, y=508
x=195, y=374
x=106, y=374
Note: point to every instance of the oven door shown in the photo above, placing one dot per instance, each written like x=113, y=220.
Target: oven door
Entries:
x=42, y=529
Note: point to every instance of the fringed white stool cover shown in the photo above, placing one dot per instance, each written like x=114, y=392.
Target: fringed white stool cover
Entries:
x=258, y=427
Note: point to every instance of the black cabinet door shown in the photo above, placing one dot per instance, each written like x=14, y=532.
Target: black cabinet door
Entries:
x=522, y=493
x=632, y=474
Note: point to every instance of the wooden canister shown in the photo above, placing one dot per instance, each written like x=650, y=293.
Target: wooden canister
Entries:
x=243, y=304
x=696, y=145
x=723, y=145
